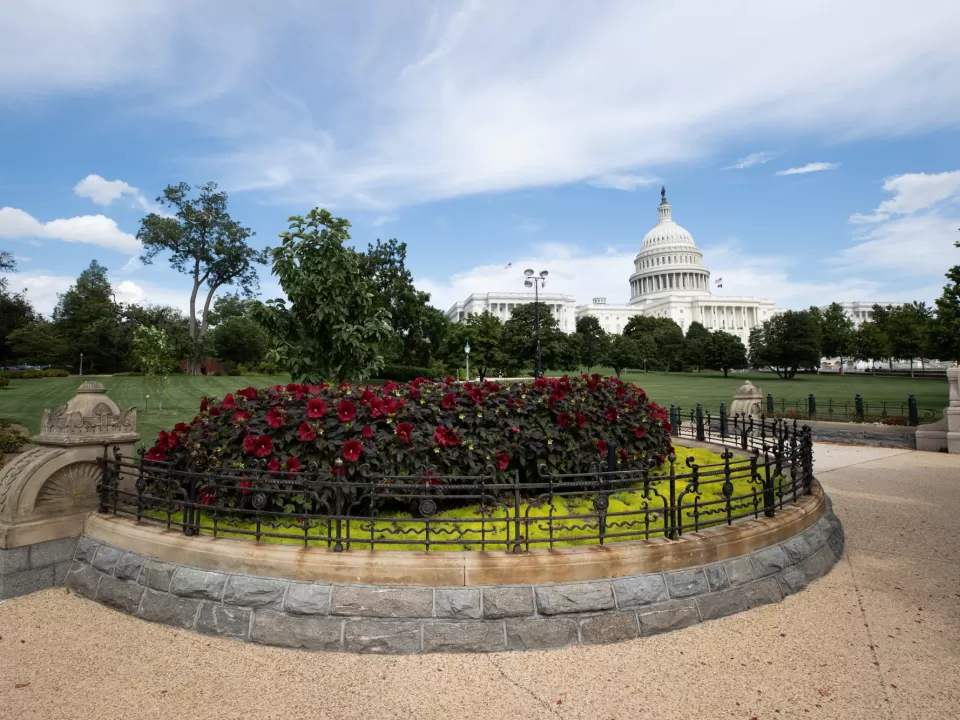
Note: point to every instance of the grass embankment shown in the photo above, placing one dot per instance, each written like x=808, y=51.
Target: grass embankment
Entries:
x=575, y=521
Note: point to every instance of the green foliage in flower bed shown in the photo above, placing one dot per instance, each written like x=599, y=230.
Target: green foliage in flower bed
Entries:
x=428, y=428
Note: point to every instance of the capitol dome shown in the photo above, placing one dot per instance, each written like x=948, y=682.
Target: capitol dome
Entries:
x=669, y=262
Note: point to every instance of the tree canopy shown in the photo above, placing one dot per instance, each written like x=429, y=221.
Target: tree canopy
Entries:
x=787, y=343
x=593, y=340
x=484, y=333
x=725, y=351
x=837, y=333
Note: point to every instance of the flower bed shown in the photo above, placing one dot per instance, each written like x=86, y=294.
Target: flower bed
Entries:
x=428, y=428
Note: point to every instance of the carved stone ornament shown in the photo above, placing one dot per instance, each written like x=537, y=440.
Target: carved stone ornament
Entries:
x=747, y=401
x=91, y=415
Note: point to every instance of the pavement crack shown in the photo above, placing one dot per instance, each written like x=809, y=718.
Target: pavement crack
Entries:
x=524, y=689
x=866, y=623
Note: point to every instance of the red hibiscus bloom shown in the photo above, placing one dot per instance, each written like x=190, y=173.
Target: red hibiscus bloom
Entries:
x=391, y=405
x=206, y=495
x=417, y=382
x=448, y=380
x=274, y=464
x=214, y=411
x=668, y=427
x=377, y=408
x=404, y=430
x=367, y=432
x=245, y=486
x=293, y=387
x=445, y=437
x=262, y=446
x=515, y=429
x=157, y=454
x=581, y=419
x=306, y=431
x=503, y=461
x=414, y=393
x=611, y=414
x=240, y=416
x=228, y=402
x=162, y=438
x=389, y=386
x=313, y=389
x=639, y=432
x=275, y=417
x=293, y=464
x=204, y=404
x=248, y=393
x=491, y=386
x=352, y=450
x=344, y=386
x=477, y=395
x=346, y=411
x=602, y=447
x=173, y=441
x=540, y=383
x=564, y=419
x=249, y=444
x=366, y=397
x=180, y=427
x=449, y=402
x=316, y=408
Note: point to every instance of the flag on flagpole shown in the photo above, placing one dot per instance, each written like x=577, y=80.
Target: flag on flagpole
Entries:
x=718, y=282
x=508, y=266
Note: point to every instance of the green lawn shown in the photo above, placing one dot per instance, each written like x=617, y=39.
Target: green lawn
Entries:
x=24, y=400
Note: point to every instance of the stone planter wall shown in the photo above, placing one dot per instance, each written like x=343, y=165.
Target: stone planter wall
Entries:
x=402, y=620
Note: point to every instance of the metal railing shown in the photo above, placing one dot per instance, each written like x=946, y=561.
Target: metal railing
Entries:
x=344, y=509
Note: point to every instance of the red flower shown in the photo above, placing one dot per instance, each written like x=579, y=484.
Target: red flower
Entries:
x=540, y=383
x=245, y=486
x=445, y=437
x=448, y=380
x=404, y=430
x=346, y=411
x=248, y=393
x=214, y=411
x=206, y=495
x=316, y=408
x=240, y=416
x=563, y=419
x=313, y=389
x=477, y=395
x=262, y=446
x=639, y=432
x=503, y=461
x=352, y=450
x=581, y=419
x=162, y=438
x=173, y=441
x=228, y=402
x=449, y=402
x=491, y=386
x=602, y=447
x=204, y=404
x=293, y=387
x=377, y=408
x=293, y=464
x=611, y=414
x=274, y=464
x=366, y=396
x=414, y=393
x=389, y=386
x=157, y=454
x=515, y=429
x=275, y=417
x=307, y=432
x=417, y=382
x=367, y=432
x=181, y=427
x=668, y=427
x=249, y=444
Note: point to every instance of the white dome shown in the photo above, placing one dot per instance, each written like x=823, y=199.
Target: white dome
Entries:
x=666, y=231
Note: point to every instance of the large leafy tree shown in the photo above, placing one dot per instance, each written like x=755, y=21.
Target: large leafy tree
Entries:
x=88, y=320
x=945, y=329
x=623, y=353
x=39, y=343
x=483, y=332
x=240, y=340
x=696, y=346
x=908, y=328
x=153, y=354
x=870, y=342
x=725, y=351
x=837, y=333
x=519, y=338
x=787, y=343
x=331, y=329
x=594, y=341
x=418, y=328
x=664, y=333
x=15, y=310
x=204, y=242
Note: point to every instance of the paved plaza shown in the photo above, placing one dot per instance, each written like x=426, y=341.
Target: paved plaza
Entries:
x=879, y=637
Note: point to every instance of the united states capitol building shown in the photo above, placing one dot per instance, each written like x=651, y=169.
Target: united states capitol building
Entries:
x=669, y=280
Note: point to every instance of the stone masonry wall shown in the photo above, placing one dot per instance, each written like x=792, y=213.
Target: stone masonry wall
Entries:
x=402, y=620
x=35, y=567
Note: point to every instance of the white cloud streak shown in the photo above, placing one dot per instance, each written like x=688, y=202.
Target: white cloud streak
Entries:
x=623, y=181
x=809, y=168
x=756, y=158
x=88, y=229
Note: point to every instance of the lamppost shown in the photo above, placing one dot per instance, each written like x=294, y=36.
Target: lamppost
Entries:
x=467, y=351
x=536, y=282
x=81, y=364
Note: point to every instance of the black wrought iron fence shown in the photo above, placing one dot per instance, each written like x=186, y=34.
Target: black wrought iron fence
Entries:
x=346, y=509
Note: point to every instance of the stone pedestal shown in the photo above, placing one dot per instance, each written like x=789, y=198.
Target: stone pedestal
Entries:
x=747, y=401
x=952, y=413
x=47, y=491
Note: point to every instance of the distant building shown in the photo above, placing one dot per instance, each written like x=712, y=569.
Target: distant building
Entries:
x=502, y=304
x=862, y=311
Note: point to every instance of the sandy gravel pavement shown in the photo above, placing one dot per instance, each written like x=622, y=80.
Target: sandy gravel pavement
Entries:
x=879, y=637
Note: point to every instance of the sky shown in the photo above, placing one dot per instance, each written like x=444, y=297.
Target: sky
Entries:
x=811, y=148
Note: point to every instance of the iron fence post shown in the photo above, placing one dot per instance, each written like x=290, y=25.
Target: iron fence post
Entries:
x=516, y=512
x=699, y=417
x=770, y=404
x=769, y=504
x=611, y=456
x=338, y=498
x=912, y=408
x=675, y=420
x=104, y=481
x=723, y=421
x=858, y=404
x=812, y=407
x=672, y=530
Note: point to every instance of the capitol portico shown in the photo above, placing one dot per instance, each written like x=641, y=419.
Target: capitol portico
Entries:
x=669, y=280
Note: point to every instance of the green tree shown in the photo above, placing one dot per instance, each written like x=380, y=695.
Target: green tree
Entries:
x=483, y=332
x=665, y=334
x=519, y=338
x=870, y=343
x=945, y=328
x=229, y=305
x=837, y=333
x=787, y=343
x=153, y=354
x=332, y=329
x=15, y=310
x=594, y=341
x=726, y=352
x=696, y=346
x=623, y=353
x=205, y=243
x=39, y=343
x=239, y=340
x=87, y=318
x=908, y=328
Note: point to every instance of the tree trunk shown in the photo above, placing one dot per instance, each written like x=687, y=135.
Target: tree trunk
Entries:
x=725, y=371
x=911, y=367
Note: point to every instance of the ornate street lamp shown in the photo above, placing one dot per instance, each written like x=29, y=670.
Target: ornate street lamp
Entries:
x=81, y=364
x=467, y=351
x=536, y=282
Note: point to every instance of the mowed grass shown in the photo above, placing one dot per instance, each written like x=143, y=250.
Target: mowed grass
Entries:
x=23, y=401
x=633, y=513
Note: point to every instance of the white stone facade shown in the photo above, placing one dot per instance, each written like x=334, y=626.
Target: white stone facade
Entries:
x=502, y=304
x=862, y=311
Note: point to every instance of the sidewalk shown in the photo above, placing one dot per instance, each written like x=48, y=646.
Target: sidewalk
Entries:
x=879, y=637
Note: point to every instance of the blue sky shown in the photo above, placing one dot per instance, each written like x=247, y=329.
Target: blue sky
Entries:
x=485, y=133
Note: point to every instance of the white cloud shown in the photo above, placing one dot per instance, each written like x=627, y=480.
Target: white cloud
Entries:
x=756, y=158
x=623, y=181
x=101, y=191
x=809, y=168
x=381, y=220
x=89, y=229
